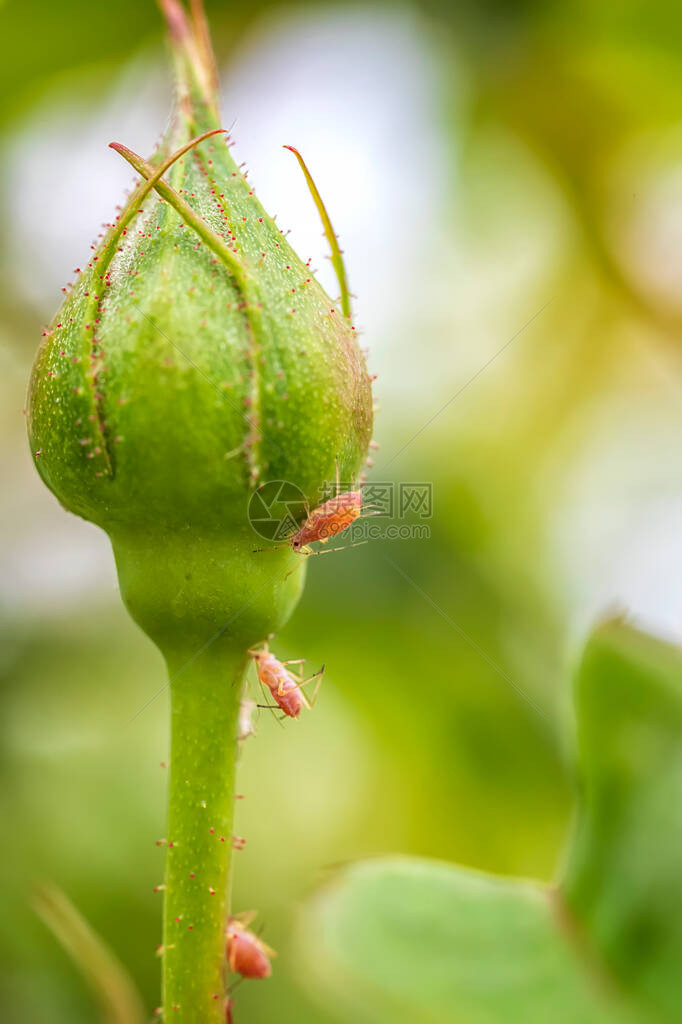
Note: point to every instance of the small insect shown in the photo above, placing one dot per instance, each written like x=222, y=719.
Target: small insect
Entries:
x=327, y=520
x=283, y=684
x=246, y=953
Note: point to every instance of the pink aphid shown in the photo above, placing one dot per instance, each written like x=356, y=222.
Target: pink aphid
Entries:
x=285, y=687
x=245, y=952
x=328, y=520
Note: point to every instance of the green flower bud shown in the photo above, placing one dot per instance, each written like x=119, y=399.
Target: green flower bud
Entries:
x=195, y=357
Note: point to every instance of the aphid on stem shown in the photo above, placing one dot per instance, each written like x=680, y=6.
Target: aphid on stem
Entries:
x=283, y=684
x=246, y=953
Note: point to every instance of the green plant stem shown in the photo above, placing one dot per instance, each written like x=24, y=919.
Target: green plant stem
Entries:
x=205, y=696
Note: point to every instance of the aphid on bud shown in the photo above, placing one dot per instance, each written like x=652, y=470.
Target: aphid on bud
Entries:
x=327, y=520
x=283, y=684
x=245, y=952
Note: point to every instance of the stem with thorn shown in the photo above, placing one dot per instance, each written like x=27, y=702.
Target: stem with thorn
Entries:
x=205, y=697
x=204, y=601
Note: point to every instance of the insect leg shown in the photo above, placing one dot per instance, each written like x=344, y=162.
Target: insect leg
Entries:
x=310, y=703
x=328, y=551
x=245, y=917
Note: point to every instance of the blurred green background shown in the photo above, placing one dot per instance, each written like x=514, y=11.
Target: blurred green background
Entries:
x=506, y=179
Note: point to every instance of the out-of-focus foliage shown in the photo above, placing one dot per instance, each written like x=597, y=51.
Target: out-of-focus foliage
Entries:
x=117, y=997
x=443, y=944
x=551, y=183
x=623, y=879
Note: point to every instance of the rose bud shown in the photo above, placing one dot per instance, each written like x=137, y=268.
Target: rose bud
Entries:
x=194, y=358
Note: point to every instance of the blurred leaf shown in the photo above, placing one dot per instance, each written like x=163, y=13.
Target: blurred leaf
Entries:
x=408, y=939
x=624, y=880
x=108, y=979
x=404, y=937
x=44, y=41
